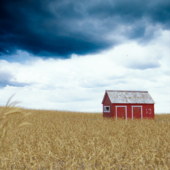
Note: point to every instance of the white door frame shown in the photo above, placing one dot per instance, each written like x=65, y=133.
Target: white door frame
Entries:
x=141, y=111
x=125, y=111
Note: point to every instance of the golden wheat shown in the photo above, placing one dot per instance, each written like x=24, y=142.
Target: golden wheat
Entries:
x=71, y=140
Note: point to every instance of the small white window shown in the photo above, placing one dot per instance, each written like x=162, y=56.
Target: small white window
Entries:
x=106, y=108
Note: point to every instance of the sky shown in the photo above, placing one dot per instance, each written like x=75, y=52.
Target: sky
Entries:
x=63, y=55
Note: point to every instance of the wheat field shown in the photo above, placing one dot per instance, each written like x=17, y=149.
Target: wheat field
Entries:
x=73, y=141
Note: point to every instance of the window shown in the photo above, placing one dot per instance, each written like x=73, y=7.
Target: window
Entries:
x=106, y=108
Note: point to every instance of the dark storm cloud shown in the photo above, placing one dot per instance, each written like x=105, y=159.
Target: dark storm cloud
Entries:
x=53, y=27
x=6, y=79
x=131, y=10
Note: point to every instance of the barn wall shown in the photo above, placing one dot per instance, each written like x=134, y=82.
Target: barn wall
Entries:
x=107, y=102
x=148, y=109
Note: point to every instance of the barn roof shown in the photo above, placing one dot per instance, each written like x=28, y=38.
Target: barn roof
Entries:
x=116, y=96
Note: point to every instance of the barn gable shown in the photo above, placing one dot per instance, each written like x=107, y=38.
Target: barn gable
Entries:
x=106, y=99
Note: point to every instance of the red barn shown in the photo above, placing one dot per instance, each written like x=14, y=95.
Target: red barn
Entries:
x=128, y=104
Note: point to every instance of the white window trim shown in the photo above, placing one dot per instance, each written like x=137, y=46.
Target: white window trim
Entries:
x=106, y=110
x=141, y=111
x=125, y=111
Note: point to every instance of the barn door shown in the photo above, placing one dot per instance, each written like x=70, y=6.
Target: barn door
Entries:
x=137, y=112
x=121, y=112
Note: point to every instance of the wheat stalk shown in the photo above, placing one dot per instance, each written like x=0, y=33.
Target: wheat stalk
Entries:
x=5, y=113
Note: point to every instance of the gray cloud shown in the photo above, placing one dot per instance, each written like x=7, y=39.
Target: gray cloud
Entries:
x=144, y=65
x=6, y=79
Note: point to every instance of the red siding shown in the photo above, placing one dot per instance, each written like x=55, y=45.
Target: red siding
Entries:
x=107, y=102
x=121, y=112
x=147, y=109
x=137, y=112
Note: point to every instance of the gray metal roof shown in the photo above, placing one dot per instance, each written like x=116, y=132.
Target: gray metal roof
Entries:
x=129, y=96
